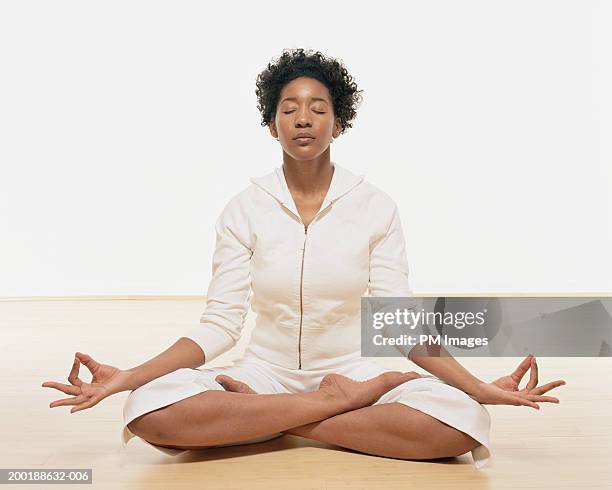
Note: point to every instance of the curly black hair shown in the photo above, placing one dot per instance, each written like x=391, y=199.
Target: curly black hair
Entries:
x=294, y=63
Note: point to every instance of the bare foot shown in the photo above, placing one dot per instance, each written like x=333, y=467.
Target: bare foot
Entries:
x=352, y=394
x=359, y=394
x=231, y=384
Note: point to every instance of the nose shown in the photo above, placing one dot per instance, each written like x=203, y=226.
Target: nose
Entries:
x=302, y=118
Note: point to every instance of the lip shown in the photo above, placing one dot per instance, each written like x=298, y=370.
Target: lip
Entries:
x=302, y=135
x=303, y=140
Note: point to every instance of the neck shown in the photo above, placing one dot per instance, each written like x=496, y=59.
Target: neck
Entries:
x=308, y=178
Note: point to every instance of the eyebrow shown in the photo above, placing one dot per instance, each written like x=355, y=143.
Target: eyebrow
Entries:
x=313, y=98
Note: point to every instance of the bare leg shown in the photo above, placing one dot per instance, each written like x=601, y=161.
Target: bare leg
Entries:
x=224, y=417
x=391, y=429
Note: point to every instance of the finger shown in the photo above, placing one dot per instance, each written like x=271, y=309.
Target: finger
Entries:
x=68, y=389
x=526, y=402
x=87, y=361
x=516, y=398
x=520, y=371
x=68, y=401
x=533, y=377
x=73, y=377
x=538, y=398
x=547, y=387
x=83, y=406
x=525, y=399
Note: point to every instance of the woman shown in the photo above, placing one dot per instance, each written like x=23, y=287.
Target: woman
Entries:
x=301, y=245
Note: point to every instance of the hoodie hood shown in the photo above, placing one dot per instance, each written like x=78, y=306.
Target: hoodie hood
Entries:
x=275, y=184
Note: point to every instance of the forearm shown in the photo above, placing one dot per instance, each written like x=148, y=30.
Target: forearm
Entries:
x=439, y=362
x=184, y=353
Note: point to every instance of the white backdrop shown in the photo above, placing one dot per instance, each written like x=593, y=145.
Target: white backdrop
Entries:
x=125, y=127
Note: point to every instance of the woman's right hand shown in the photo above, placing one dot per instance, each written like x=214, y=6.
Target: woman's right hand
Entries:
x=107, y=380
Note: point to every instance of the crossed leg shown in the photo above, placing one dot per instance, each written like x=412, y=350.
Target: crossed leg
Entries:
x=390, y=430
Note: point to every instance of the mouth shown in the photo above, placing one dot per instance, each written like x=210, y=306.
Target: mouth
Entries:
x=304, y=140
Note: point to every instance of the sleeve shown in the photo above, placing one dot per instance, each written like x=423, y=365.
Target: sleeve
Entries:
x=389, y=271
x=229, y=291
x=388, y=262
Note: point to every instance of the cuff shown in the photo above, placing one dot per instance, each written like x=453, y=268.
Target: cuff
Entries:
x=213, y=340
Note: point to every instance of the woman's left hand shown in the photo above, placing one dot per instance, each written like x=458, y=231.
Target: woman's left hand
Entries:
x=505, y=390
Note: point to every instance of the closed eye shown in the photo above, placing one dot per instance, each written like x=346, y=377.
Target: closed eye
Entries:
x=289, y=112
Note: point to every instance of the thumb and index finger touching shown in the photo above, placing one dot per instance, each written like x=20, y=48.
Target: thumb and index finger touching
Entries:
x=87, y=360
x=80, y=358
x=530, y=362
x=73, y=376
x=523, y=367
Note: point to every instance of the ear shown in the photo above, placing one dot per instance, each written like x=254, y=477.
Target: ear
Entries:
x=337, y=128
x=272, y=128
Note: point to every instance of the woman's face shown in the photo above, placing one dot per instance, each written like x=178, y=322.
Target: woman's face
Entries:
x=305, y=106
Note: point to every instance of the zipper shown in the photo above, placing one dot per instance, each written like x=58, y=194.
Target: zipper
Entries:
x=301, y=298
x=302, y=272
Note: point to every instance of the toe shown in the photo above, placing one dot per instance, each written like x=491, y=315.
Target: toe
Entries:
x=231, y=384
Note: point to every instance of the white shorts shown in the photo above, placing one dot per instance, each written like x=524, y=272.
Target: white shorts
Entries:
x=427, y=394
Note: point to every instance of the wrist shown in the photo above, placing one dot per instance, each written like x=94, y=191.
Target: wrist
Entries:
x=476, y=391
x=127, y=380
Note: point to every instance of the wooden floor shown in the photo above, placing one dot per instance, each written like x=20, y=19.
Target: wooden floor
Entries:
x=563, y=446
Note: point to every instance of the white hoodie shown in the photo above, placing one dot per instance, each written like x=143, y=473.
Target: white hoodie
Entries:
x=304, y=283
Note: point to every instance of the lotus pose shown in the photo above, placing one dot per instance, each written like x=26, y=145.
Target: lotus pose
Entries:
x=300, y=246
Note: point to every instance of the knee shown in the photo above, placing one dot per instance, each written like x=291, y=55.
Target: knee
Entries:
x=439, y=440
x=464, y=444
x=167, y=424
x=453, y=443
x=152, y=426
